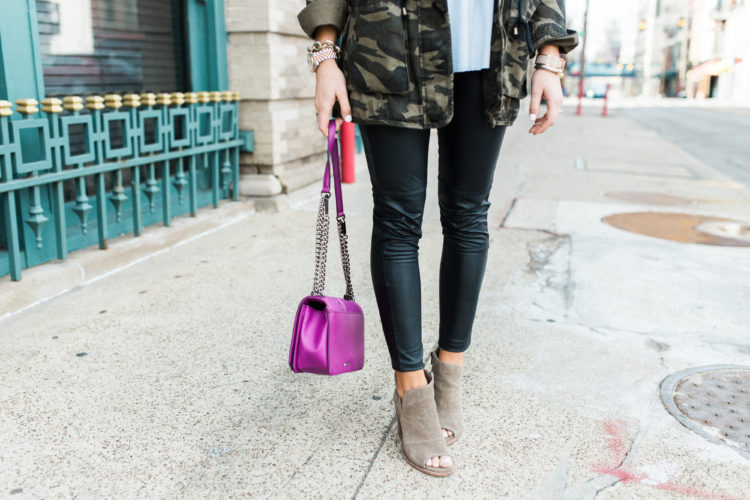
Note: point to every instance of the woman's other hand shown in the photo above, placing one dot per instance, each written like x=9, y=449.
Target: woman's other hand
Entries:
x=330, y=86
x=545, y=84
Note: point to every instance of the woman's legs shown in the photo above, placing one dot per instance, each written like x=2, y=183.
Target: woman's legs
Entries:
x=397, y=162
x=469, y=151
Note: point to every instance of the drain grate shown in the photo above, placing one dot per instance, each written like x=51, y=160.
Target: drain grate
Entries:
x=683, y=228
x=712, y=401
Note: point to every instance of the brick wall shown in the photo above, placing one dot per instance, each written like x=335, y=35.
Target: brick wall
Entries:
x=267, y=66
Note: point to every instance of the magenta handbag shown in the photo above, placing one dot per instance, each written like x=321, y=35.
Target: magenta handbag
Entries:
x=329, y=332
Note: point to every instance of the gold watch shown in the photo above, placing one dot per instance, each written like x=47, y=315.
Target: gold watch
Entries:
x=551, y=61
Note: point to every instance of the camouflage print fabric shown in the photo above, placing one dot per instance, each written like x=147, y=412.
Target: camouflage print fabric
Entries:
x=396, y=56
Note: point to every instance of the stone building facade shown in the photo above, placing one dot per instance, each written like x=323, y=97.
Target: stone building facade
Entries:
x=267, y=65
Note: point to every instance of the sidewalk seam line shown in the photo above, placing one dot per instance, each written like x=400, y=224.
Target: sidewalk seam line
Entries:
x=374, y=456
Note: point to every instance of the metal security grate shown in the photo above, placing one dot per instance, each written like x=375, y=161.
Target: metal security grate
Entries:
x=714, y=402
x=160, y=155
x=111, y=46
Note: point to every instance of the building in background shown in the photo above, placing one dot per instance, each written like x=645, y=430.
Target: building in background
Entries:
x=693, y=48
x=720, y=45
x=661, y=47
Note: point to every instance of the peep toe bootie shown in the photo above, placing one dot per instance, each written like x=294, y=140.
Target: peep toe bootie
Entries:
x=448, y=396
x=419, y=428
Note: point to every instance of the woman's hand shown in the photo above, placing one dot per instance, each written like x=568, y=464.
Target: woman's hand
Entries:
x=544, y=84
x=330, y=87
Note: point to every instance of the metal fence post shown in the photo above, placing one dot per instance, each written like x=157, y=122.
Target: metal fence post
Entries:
x=9, y=198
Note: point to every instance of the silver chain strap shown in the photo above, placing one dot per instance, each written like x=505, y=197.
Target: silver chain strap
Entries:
x=321, y=250
x=321, y=246
x=343, y=239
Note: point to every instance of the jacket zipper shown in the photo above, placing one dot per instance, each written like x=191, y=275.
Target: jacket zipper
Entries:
x=404, y=21
x=407, y=47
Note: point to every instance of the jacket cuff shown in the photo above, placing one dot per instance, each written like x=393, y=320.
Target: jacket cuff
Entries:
x=549, y=36
x=321, y=13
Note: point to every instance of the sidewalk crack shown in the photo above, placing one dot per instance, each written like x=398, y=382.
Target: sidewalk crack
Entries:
x=607, y=479
x=519, y=168
x=620, y=477
x=298, y=468
x=374, y=456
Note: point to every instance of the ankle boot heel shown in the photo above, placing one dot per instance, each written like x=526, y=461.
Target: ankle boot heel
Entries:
x=448, y=399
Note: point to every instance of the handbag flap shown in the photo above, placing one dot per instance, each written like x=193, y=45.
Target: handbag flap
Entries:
x=338, y=304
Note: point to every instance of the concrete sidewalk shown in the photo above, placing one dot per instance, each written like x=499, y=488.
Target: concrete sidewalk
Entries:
x=170, y=378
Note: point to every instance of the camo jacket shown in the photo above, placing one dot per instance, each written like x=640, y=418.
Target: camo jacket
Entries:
x=397, y=61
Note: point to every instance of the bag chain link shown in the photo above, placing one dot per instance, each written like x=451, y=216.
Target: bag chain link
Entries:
x=321, y=246
x=343, y=239
x=321, y=250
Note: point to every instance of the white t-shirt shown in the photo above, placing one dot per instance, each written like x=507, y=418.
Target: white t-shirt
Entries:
x=471, y=33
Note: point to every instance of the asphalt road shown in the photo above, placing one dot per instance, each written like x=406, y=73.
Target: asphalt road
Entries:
x=719, y=137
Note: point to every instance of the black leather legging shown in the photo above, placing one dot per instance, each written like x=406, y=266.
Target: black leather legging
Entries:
x=397, y=162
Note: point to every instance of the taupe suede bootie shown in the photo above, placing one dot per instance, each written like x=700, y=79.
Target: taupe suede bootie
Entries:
x=448, y=396
x=419, y=428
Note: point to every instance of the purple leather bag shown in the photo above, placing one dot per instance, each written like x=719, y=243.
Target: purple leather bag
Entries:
x=328, y=337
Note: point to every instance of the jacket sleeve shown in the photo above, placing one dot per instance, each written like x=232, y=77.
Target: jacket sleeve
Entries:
x=547, y=25
x=323, y=12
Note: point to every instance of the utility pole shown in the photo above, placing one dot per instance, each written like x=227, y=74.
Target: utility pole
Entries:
x=688, y=40
x=582, y=70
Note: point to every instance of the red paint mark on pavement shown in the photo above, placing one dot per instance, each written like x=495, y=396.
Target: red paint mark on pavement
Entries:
x=617, y=435
x=622, y=474
x=617, y=432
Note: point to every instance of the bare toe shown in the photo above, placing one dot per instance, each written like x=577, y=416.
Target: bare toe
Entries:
x=445, y=461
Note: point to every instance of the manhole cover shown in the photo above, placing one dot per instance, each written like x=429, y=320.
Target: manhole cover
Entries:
x=713, y=401
x=648, y=198
x=674, y=227
x=733, y=230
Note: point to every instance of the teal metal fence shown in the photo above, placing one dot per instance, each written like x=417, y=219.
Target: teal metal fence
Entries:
x=83, y=171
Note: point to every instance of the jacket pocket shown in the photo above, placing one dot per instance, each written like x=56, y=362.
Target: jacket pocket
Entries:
x=515, y=67
x=375, y=54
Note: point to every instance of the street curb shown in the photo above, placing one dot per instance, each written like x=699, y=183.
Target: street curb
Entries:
x=52, y=279
x=83, y=267
x=275, y=203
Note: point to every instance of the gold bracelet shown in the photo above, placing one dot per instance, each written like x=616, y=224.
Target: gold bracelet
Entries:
x=556, y=71
x=320, y=51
